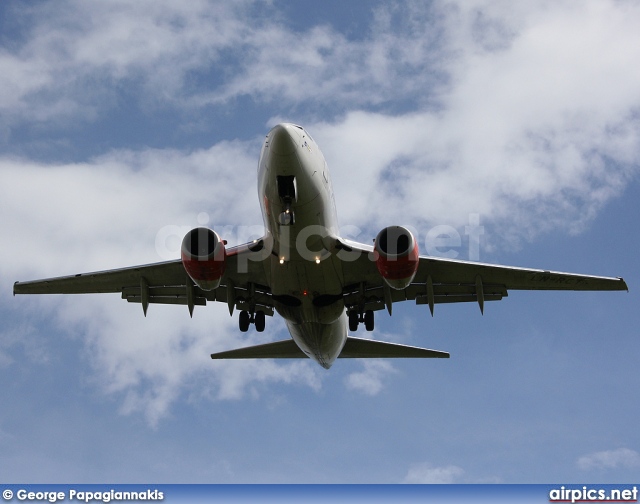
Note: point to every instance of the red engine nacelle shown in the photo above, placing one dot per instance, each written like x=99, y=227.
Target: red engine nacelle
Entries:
x=203, y=256
x=396, y=255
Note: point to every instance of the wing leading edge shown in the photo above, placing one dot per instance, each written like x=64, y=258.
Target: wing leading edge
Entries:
x=440, y=280
x=167, y=283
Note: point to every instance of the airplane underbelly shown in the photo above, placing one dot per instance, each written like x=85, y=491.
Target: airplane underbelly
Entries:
x=309, y=297
x=321, y=342
x=304, y=291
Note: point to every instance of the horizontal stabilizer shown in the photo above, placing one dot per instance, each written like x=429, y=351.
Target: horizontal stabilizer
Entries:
x=286, y=349
x=355, y=348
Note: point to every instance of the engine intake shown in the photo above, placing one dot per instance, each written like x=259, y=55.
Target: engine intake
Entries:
x=397, y=256
x=203, y=256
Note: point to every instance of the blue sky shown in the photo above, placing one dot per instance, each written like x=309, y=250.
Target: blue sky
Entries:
x=123, y=125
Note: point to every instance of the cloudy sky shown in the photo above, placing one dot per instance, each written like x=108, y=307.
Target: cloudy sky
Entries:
x=125, y=124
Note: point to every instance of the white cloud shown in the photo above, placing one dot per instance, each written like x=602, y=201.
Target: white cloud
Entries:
x=621, y=458
x=427, y=474
x=532, y=133
x=75, y=56
x=105, y=213
x=149, y=362
x=527, y=115
x=109, y=209
x=321, y=66
x=26, y=338
x=370, y=380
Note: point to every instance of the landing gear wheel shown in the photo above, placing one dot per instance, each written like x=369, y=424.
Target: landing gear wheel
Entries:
x=259, y=321
x=353, y=321
x=244, y=321
x=368, y=320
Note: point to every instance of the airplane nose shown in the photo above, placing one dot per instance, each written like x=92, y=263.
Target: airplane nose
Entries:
x=282, y=142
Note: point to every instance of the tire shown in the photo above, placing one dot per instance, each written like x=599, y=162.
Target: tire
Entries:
x=244, y=321
x=368, y=320
x=353, y=321
x=259, y=321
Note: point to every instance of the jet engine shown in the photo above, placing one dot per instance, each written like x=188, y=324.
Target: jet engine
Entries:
x=396, y=255
x=203, y=256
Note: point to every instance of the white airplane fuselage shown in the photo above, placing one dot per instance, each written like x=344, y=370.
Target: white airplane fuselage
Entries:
x=306, y=280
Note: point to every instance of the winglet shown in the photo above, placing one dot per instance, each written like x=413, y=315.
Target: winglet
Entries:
x=14, y=287
x=624, y=283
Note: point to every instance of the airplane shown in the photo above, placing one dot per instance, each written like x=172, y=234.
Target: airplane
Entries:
x=323, y=285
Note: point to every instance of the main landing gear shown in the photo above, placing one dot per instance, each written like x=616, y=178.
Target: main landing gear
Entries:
x=355, y=318
x=245, y=319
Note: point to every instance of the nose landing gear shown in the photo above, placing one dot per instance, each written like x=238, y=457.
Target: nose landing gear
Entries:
x=287, y=191
x=287, y=218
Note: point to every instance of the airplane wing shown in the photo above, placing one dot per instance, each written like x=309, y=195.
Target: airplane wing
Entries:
x=440, y=280
x=244, y=283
